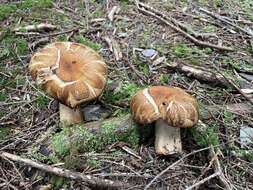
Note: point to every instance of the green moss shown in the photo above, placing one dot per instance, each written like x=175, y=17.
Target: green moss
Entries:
x=240, y=65
x=93, y=163
x=164, y=79
x=207, y=137
x=3, y=95
x=182, y=50
x=42, y=101
x=7, y=9
x=77, y=139
x=12, y=45
x=4, y=132
x=62, y=38
x=126, y=91
x=243, y=153
x=247, y=6
x=210, y=28
x=27, y=4
x=57, y=181
x=83, y=40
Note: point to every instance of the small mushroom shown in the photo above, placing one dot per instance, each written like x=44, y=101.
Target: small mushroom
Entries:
x=71, y=73
x=171, y=108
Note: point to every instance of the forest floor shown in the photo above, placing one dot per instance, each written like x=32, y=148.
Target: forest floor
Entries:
x=171, y=44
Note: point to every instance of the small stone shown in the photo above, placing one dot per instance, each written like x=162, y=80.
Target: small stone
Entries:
x=246, y=135
x=149, y=53
x=95, y=112
x=44, y=150
x=248, y=77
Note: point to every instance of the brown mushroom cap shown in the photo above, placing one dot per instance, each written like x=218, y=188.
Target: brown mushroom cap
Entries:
x=171, y=104
x=69, y=72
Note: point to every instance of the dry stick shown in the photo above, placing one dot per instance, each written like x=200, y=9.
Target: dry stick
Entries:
x=217, y=168
x=89, y=179
x=199, y=73
x=7, y=184
x=172, y=165
x=33, y=28
x=203, y=181
x=190, y=37
x=235, y=86
x=226, y=21
x=174, y=21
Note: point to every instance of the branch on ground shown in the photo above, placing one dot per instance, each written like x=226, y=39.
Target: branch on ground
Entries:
x=92, y=181
x=150, y=11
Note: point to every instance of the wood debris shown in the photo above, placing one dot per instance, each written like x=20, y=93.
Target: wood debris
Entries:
x=36, y=28
x=114, y=10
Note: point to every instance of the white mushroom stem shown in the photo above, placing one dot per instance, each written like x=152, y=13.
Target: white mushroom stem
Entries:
x=69, y=115
x=168, y=139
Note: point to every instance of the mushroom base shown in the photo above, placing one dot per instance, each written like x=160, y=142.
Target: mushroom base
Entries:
x=69, y=115
x=168, y=139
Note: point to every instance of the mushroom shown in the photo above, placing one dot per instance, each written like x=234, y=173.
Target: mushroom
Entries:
x=71, y=73
x=171, y=108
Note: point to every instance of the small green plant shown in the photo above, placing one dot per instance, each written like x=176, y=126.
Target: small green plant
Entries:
x=7, y=9
x=210, y=28
x=144, y=68
x=247, y=6
x=3, y=95
x=4, y=132
x=57, y=182
x=182, y=50
x=42, y=101
x=93, y=163
x=83, y=40
x=164, y=79
x=62, y=38
x=11, y=46
x=126, y=91
x=207, y=137
x=244, y=153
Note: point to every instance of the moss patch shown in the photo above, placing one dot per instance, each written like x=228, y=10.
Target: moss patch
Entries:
x=125, y=91
x=79, y=140
x=207, y=137
x=83, y=40
x=11, y=46
x=4, y=132
x=7, y=9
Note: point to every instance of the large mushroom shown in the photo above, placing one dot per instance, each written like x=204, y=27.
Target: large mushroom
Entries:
x=171, y=108
x=71, y=73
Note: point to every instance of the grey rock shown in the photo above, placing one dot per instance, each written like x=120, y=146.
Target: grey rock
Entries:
x=149, y=53
x=246, y=135
x=248, y=77
x=95, y=112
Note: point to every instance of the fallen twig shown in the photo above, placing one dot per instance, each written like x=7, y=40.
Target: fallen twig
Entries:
x=199, y=73
x=216, y=16
x=218, y=169
x=234, y=86
x=173, y=165
x=177, y=23
x=114, y=10
x=60, y=33
x=89, y=179
x=173, y=26
x=203, y=181
x=36, y=28
x=114, y=47
x=27, y=33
